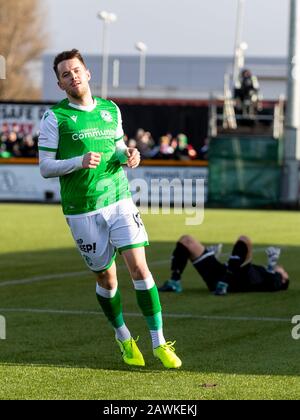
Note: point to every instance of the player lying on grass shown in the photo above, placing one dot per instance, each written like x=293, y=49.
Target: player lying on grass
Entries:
x=81, y=141
x=239, y=274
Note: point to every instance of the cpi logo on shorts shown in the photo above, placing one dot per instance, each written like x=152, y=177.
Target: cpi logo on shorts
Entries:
x=86, y=247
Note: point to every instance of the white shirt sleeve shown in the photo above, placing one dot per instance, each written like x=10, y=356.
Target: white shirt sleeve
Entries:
x=119, y=139
x=50, y=167
x=121, y=149
x=119, y=131
x=49, y=135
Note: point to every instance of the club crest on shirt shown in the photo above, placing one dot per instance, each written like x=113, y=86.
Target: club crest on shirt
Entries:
x=106, y=116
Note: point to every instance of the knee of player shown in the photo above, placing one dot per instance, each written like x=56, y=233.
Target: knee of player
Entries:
x=139, y=272
x=245, y=239
x=106, y=280
x=186, y=240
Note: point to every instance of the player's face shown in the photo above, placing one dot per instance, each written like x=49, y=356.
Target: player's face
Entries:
x=73, y=78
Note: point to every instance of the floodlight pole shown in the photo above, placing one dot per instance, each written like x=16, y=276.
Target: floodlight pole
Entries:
x=238, y=48
x=142, y=48
x=290, y=184
x=107, y=19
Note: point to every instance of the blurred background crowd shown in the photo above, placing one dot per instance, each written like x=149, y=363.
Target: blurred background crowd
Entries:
x=15, y=141
x=167, y=146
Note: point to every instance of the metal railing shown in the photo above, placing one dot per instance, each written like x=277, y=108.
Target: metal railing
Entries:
x=231, y=120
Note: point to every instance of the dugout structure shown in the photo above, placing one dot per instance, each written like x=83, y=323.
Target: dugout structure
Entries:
x=244, y=171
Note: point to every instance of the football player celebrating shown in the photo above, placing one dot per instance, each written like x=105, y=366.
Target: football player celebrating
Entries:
x=81, y=142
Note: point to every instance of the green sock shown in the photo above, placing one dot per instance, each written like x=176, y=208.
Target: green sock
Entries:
x=112, y=308
x=149, y=303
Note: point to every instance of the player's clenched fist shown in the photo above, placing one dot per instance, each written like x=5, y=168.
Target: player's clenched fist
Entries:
x=134, y=157
x=91, y=160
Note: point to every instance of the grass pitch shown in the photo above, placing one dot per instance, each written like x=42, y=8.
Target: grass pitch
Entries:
x=59, y=346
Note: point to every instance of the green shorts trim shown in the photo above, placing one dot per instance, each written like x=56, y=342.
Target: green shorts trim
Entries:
x=140, y=245
x=108, y=265
x=47, y=149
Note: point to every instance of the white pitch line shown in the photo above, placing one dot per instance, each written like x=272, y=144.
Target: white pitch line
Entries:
x=63, y=275
x=135, y=314
x=68, y=274
x=42, y=278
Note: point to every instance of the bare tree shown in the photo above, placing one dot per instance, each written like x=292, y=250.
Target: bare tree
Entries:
x=22, y=40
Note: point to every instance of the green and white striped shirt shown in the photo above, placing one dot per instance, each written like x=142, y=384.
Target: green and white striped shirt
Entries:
x=67, y=133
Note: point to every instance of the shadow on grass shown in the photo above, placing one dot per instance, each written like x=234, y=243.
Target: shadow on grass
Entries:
x=238, y=334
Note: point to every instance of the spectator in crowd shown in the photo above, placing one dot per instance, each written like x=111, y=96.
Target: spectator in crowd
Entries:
x=169, y=147
x=28, y=146
x=145, y=144
x=12, y=144
x=16, y=142
x=203, y=151
x=3, y=139
x=166, y=151
x=174, y=144
x=246, y=92
x=4, y=128
x=131, y=143
x=16, y=128
x=184, y=150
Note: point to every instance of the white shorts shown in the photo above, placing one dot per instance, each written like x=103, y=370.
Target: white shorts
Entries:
x=101, y=233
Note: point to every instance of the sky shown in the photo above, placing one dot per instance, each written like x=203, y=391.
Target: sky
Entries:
x=168, y=27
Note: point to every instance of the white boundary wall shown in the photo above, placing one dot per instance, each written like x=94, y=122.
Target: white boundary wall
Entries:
x=24, y=182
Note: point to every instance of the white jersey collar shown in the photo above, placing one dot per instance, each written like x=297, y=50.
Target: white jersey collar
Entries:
x=87, y=108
